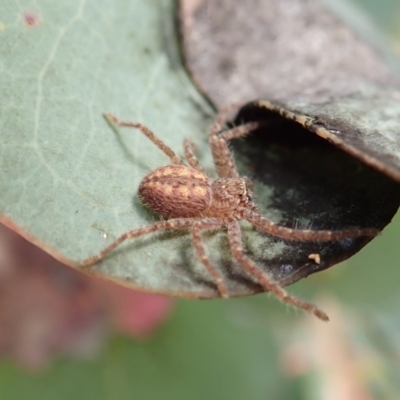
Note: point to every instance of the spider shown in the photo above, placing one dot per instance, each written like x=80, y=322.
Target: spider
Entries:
x=187, y=198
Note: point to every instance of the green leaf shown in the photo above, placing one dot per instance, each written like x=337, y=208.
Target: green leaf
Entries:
x=69, y=179
x=68, y=182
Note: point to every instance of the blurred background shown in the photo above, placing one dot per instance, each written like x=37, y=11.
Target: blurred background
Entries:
x=64, y=335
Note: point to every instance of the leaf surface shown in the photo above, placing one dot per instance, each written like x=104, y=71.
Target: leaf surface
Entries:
x=69, y=179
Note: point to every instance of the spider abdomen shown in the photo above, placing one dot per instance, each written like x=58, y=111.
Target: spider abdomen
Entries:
x=176, y=191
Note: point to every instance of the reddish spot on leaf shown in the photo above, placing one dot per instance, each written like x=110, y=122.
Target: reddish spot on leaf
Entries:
x=31, y=19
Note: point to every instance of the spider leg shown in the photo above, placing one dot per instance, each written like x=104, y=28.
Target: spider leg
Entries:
x=223, y=158
x=190, y=157
x=147, y=132
x=235, y=241
x=239, y=131
x=272, y=228
x=171, y=224
x=222, y=116
x=197, y=228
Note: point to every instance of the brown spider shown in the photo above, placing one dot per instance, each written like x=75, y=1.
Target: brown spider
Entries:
x=189, y=199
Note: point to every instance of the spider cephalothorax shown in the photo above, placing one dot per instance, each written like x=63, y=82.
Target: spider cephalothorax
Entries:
x=189, y=199
x=230, y=196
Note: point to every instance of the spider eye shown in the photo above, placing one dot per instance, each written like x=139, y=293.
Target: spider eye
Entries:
x=246, y=198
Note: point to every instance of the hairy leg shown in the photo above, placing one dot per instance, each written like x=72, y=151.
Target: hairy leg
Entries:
x=190, y=157
x=239, y=131
x=235, y=241
x=223, y=158
x=147, y=132
x=222, y=117
x=197, y=229
x=172, y=224
x=272, y=228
